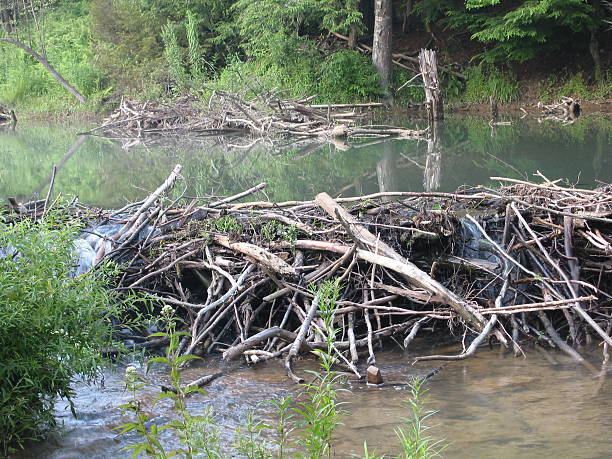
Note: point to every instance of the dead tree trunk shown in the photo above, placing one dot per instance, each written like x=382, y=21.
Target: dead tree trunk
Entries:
x=433, y=98
x=48, y=66
x=381, y=46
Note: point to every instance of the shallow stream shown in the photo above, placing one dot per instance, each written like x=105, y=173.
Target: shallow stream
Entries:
x=492, y=405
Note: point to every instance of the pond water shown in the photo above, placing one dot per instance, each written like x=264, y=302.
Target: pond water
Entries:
x=110, y=172
x=493, y=405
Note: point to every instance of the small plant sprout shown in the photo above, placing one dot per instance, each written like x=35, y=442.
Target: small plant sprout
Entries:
x=413, y=441
x=150, y=443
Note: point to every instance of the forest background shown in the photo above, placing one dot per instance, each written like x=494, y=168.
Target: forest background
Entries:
x=162, y=49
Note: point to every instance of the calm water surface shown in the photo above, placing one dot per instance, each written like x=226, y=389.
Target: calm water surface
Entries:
x=493, y=405
x=467, y=151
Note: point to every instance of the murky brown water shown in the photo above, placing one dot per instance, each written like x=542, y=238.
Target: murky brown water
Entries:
x=492, y=405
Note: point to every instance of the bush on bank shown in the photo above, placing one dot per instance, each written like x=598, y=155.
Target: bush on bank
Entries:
x=52, y=326
x=159, y=49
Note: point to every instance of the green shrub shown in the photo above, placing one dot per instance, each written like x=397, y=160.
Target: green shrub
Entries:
x=52, y=326
x=410, y=93
x=348, y=76
x=575, y=87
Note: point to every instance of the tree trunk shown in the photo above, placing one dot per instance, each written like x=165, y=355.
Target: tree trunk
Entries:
x=433, y=97
x=594, y=50
x=48, y=66
x=381, y=47
x=352, y=38
x=407, y=13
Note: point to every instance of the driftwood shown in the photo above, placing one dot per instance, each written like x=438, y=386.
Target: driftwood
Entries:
x=535, y=266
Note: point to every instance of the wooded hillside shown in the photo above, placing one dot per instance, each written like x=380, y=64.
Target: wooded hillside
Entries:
x=340, y=50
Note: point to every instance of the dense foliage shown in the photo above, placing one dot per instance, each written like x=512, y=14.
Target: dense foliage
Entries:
x=161, y=48
x=52, y=326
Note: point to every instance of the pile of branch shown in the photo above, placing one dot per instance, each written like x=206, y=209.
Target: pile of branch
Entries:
x=566, y=111
x=7, y=116
x=529, y=262
x=227, y=113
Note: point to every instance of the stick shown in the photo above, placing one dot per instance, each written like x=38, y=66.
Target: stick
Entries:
x=414, y=331
x=255, y=189
x=297, y=344
x=251, y=342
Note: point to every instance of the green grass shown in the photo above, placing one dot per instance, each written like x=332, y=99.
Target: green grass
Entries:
x=485, y=81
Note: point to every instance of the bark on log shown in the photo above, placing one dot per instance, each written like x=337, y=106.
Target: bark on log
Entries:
x=258, y=255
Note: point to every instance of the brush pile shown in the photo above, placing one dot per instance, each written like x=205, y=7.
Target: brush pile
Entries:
x=227, y=113
x=526, y=262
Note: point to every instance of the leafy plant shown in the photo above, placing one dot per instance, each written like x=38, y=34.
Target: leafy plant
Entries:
x=282, y=427
x=273, y=230
x=53, y=324
x=484, y=81
x=520, y=31
x=183, y=427
x=226, y=224
x=414, y=442
x=320, y=413
x=172, y=53
x=206, y=436
x=348, y=76
x=249, y=441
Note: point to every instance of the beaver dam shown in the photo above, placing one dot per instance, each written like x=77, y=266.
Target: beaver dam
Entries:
x=526, y=262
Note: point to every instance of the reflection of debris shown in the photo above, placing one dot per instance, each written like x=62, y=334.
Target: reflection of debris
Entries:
x=500, y=123
x=566, y=111
x=8, y=117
